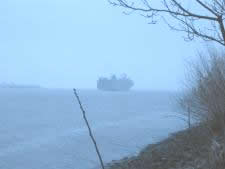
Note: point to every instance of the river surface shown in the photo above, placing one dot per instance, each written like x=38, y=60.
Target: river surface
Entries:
x=44, y=129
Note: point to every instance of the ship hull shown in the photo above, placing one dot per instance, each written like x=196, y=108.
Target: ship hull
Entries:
x=114, y=84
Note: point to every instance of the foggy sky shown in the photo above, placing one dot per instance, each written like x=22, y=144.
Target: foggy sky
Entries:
x=70, y=43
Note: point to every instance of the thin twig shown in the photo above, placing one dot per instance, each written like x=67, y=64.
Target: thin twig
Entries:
x=89, y=129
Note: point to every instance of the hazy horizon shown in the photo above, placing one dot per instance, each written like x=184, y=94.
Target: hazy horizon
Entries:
x=65, y=44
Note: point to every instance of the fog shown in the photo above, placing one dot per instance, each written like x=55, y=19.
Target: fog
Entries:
x=64, y=44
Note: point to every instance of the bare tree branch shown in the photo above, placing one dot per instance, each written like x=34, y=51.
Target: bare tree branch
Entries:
x=89, y=129
x=206, y=7
x=207, y=24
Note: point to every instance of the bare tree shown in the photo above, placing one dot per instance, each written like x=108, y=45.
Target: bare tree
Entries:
x=205, y=19
x=205, y=92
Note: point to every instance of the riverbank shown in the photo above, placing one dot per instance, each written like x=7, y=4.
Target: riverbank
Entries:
x=187, y=149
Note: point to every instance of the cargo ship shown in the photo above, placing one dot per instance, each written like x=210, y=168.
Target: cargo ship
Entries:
x=115, y=84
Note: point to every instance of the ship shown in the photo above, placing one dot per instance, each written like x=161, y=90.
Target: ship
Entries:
x=115, y=84
x=13, y=85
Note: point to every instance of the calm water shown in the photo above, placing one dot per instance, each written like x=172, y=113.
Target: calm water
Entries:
x=44, y=129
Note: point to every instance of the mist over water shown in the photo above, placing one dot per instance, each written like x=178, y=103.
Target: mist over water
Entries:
x=43, y=128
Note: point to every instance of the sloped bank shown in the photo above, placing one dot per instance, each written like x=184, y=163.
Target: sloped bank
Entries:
x=188, y=149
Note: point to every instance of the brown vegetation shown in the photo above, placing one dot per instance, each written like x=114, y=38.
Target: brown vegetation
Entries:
x=205, y=92
x=203, y=145
x=189, y=149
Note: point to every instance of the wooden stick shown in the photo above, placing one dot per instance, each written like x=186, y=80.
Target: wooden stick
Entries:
x=89, y=129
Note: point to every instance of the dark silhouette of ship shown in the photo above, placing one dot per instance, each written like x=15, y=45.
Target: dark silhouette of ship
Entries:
x=115, y=84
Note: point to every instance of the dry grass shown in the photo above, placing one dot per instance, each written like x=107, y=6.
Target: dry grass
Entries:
x=201, y=146
x=188, y=149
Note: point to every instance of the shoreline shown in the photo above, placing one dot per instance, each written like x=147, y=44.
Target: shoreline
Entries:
x=181, y=150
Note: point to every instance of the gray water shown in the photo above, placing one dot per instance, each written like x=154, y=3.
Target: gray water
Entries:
x=44, y=129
